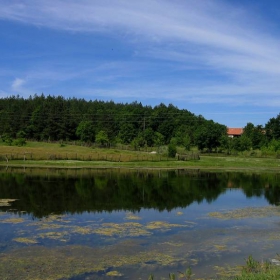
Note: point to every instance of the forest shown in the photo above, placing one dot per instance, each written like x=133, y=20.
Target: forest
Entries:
x=50, y=118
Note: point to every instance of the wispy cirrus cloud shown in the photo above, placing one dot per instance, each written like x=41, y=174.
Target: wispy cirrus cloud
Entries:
x=220, y=32
x=209, y=23
x=213, y=52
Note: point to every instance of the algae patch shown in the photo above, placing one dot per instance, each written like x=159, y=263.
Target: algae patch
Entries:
x=163, y=226
x=220, y=247
x=173, y=244
x=69, y=261
x=124, y=229
x=13, y=221
x=114, y=273
x=228, y=271
x=131, y=216
x=26, y=240
x=245, y=213
x=61, y=236
x=134, y=229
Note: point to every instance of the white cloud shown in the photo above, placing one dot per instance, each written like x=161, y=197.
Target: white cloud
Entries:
x=187, y=35
x=17, y=84
x=219, y=32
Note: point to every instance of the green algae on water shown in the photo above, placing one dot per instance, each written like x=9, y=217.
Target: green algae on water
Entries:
x=124, y=229
x=131, y=216
x=114, y=273
x=56, y=235
x=69, y=261
x=13, y=221
x=249, y=212
x=26, y=240
x=164, y=226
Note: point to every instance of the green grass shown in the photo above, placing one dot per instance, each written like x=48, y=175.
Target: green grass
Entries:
x=272, y=273
x=252, y=270
x=53, y=155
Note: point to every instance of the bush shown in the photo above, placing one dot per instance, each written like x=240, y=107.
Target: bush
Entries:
x=19, y=142
x=7, y=138
x=172, y=150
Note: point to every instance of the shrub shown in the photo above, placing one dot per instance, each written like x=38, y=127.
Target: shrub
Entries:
x=172, y=150
x=19, y=142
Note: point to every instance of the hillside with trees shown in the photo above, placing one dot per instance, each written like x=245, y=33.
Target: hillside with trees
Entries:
x=51, y=119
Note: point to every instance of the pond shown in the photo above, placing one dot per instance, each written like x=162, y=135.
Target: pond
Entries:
x=128, y=224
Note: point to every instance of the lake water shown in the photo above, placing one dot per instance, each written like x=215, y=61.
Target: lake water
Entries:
x=121, y=224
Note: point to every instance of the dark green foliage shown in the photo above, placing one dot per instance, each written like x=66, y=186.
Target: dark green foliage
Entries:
x=227, y=144
x=209, y=135
x=127, y=133
x=102, y=138
x=19, y=142
x=255, y=134
x=7, y=138
x=272, y=128
x=149, y=137
x=136, y=143
x=242, y=144
x=21, y=134
x=172, y=150
x=158, y=139
x=85, y=131
x=272, y=146
x=187, y=143
x=54, y=118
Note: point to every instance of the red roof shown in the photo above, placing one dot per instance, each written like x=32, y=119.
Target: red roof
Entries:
x=235, y=131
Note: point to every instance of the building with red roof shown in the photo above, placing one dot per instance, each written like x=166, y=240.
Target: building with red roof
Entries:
x=234, y=132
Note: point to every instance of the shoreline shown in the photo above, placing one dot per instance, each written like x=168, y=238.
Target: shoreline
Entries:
x=134, y=166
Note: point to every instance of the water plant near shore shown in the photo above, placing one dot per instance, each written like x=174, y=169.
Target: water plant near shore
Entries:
x=187, y=275
x=252, y=270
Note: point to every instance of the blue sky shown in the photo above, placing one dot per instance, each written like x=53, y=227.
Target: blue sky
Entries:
x=220, y=59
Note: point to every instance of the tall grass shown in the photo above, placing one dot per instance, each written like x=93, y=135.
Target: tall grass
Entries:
x=37, y=151
x=55, y=154
x=252, y=270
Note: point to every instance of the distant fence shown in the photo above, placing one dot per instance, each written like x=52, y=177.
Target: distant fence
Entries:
x=189, y=156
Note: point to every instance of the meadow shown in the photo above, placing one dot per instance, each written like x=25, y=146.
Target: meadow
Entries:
x=74, y=155
x=79, y=156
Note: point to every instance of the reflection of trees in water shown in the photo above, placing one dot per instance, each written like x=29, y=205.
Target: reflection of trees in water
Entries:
x=257, y=185
x=44, y=192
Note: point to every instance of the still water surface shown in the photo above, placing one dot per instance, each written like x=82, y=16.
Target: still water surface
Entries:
x=92, y=224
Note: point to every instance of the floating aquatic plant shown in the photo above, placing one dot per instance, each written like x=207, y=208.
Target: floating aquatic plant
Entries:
x=249, y=212
x=26, y=240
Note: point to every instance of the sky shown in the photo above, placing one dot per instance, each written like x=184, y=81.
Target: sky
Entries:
x=219, y=59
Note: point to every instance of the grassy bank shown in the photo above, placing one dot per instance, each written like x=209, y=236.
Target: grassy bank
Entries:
x=74, y=156
x=252, y=270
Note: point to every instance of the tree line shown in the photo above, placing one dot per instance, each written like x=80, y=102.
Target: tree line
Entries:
x=255, y=137
x=50, y=118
